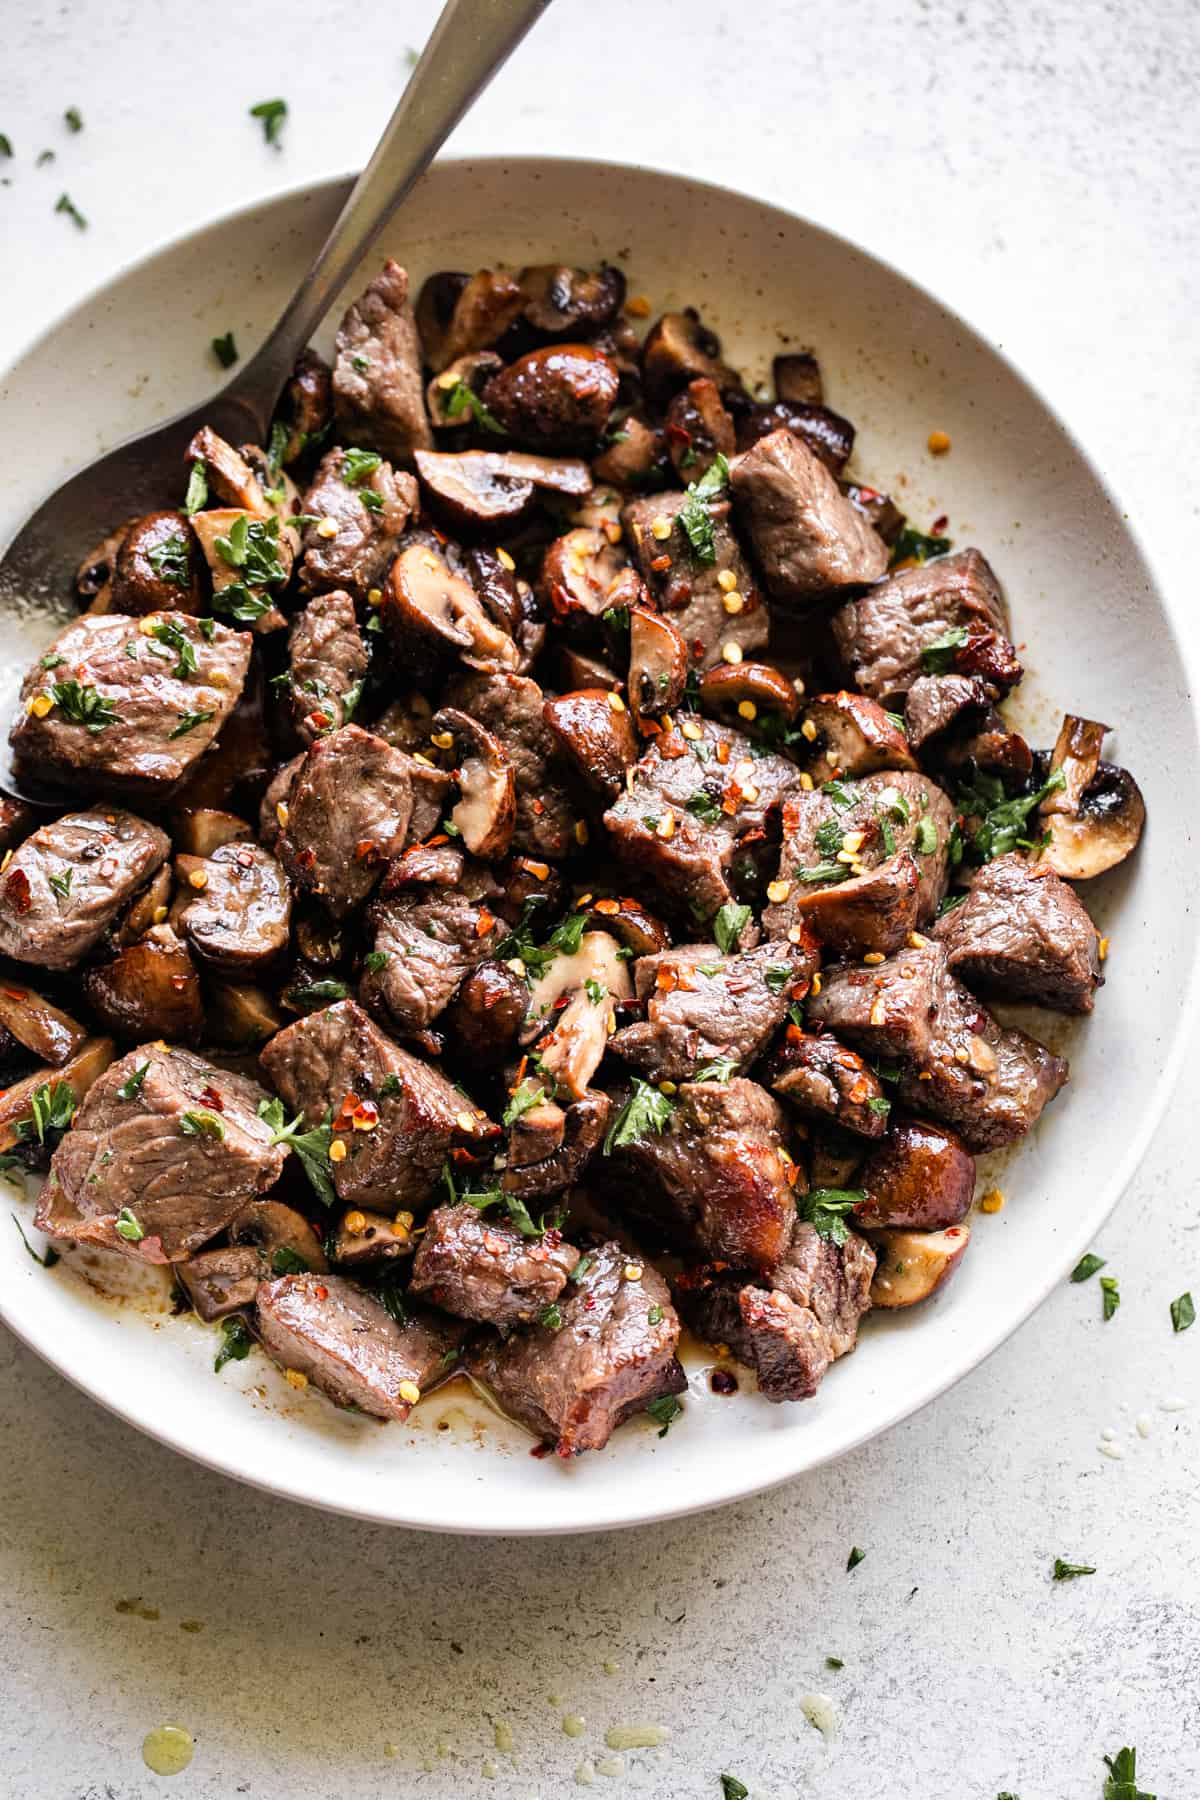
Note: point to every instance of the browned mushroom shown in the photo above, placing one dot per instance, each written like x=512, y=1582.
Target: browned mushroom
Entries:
x=481, y=490
x=561, y=300
x=147, y=908
x=579, y=571
x=307, y=404
x=494, y=580
x=912, y=1265
x=658, y=664
x=827, y=434
x=1095, y=819
x=698, y=429
x=241, y=1015
x=156, y=568
x=78, y=1074
x=456, y=313
x=525, y=880
x=571, y=1040
x=319, y=938
x=556, y=398
x=920, y=1178
x=879, y=510
x=594, y=728
x=536, y=1132
x=486, y=811
x=48, y=1033
x=213, y=527
x=852, y=735
x=221, y=1281
x=678, y=349
x=431, y=613
x=486, y=1014
x=575, y=669
x=149, y=990
x=797, y=377
x=230, y=476
x=584, y=1125
x=93, y=578
x=748, y=688
x=203, y=829
x=361, y=1238
x=634, y=450
x=452, y=398
x=282, y=1237
x=628, y=921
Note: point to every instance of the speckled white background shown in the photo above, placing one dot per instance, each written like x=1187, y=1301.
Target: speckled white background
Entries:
x=1040, y=167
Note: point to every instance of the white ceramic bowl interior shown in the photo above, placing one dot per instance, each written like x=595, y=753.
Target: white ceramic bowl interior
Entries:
x=1096, y=637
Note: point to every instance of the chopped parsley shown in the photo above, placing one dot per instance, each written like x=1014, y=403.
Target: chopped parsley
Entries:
x=595, y=991
x=828, y=837
x=73, y=118
x=189, y=721
x=518, y=1213
x=565, y=939
x=913, y=546
x=236, y=1342
x=167, y=632
x=839, y=793
x=551, y=1317
x=357, y=465
x=664, y=1412
x=694, y=518
x=272, y=113
x=65, y=204
x=171, y=561
x=199, y=1123
x=286, y=1261
x=878, y=1104
x=1087, y=1266
x=252, y=548
x=196, y=498
x=705, y=808
x=129, y=1227
x=834, y=1662
x=655, y=1316
x=6, y=148
x=462, y=398
x=307, y=996
x=855, y=1557
x=937, y=656
x=46, y=1261
x=733, y=1789
x=825, y=1210
x=61, y=883
x=131, y=1087
x=892, y=801
x=581, y=1267
x=729, y=924
x=719, y=1069
x=1183, y=1313
x=376, y=960
x=51, y=1109
x=926, y=837
x=82, y=704
x=529, y=1094
x=1065, y=1571
x=225, y=350
x=1002, y=820
x=311, y=1147
x=1112, y=1294
x=645, y=1112
x=51, y=661
x=824, y=873
x=776, y=976
x=1121, y=1783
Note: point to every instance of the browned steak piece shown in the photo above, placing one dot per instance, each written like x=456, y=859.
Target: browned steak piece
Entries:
x=717, y=1179
x=428, y=935
x=237, y=916
x=327, y=664
x=707, y=614
x=510, y=707
x=824, y=1080
x=956, y=1062
x=702, y=1006
x=64, y=885
x=125, y=706
x=162, y=1155
x=348, y=814
x=941, y=617
x=863, y=863
x=354, y=557
x=378, y=384
x=691, y=801
x=1023, y=934
x=337, y=1334
x=611, y=1356
x=790, y=1323
x=483, y=1268
x=338, y=1065
x=808, y=539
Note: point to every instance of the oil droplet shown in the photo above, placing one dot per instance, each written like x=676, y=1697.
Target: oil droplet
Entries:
x=635, y=1737
x=503, y=1735
x=585, y=1775
x=821, y=1713
x=167, y=1750
x=574, y=1724
x=610, y=1667
x=611, y=1766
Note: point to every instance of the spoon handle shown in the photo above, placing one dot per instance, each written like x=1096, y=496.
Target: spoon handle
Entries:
x=470, y=42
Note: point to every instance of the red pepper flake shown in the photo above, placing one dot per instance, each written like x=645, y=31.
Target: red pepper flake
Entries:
x=860, y=1090
x=366, y=1115
x=723, y=752
x=659, y=563
x=537, y=807
x=484, y=923
x=321, y=1293
x=563, y=1000
x=15, y=993
x=698, y=648
x=939, y=524
x=723, y=1381
x=461, y=1155
x=607, y=907
x=794, y=1035
x=494, y=1244
x=666, y=979
x=245, y=859
x=589, y=1304
x=306, y=859
x=541, y=1450
x=438, y=838
x=210, y=1096
x=367, y=850
x=179, y=982
x=16, y=891
x=552, y=1239
x=793, y=1174
x=319, y=721
x=872, y=494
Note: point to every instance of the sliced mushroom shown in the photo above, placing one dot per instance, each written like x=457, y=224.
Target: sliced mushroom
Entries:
x=149, y=990
x=220, y=1282
x=593, y=726
x=1077, y=753
x=431, y=611
x=635, y=450
x=920, y=1178
x=536, y=1134
x=557, y=398
x=363, y=1238
x=678, y=349
x=279, y=1234
x=444, y=391
x=147, y=908
x=585, y=1123
x=738, y=687
x=485, y=1016
x=459, y=313
x=475, y=490
x=575, y=669
x=217, y=522
x=85, y=1067
x=526, y=882
x=496, y=584
x=230, y=476
x=592, y=981
x=580, y=572
x=281, y=496
x=797, y=377
x=629, y=921
x=879, y=510
x=561, y=300
x=156, y=568
x=827, y=434
x=240, y=1015
x=854, y=735
x=1104, y=829
x=307, y=404
x=912, y=1265
x=93, y=577
x=658, y=664
x=698, y=429
x=203, y=829
x=487, y=810
x=48, y=1033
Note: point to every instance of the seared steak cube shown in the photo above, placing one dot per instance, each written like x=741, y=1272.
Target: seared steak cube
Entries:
x=126, y=705
x=716, y=1179
x=64, y=886
x=510, y=707
x=691, y=801
x=791, y=1322
x=428, y=937
x=356, y=556
x=234, y=907
x=327, y=664
x=937, y=618
x=707, y=614
x=808, y=539
x=338, y=1335
x=162, y=1155
x=397, y=1118
x=825, y=1080
x=611, y=1356
x=863, y=862
x=378, y=385
x=1023, y=934
x=483, y=1268
x=348, y=814
x=956, y=1063
x=702, y=1006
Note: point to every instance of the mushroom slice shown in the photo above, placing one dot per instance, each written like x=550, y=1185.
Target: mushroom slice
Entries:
x=560, y=301
x=748, y=688
x=149, y=990
x=86, y=1066
x=362, y=1238
x=1077, y=753
x=93, y=577
x=47, y=1032
x=678, y=349
x=575, y=669
x=147, y=908
x=585, y=1123
x=920, y=1178
x=525, y=881
x=307, y=403
x=202, y=829
x=593, y=980
x=593, y=726
x=658, y=664
x=217, y=522
x=240, y=1015
x=425, y=604
x=535, y=1133
x=638, y=930
x=698, y=429
x=449, y=396
x=579, y=571
x=282, y=1236
x=1101, y=834
x=474, y=491
x=483, y=1019
x=487, y=810
x=855, y=736
x=797, y=378
x=911, y=1265
x=456, y=314
x=230, y=476
x=222, y=1281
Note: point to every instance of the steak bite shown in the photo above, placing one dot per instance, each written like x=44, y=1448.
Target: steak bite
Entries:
x=702, y=1006
x=863, y=862
x=689, y=803
x=162, y=1155
x=338, y=1335
x=66, y=883
x=428, y=935
x=352, y=543
x=378, y=387
x=693, y=589
x=327, y=664
x=397, y=1118
x=234, y=907
x=808, y=539
x=947, y=616
x=348, y=814
x=957, y=1064
x=612, y=1355
x=1023, y=934
x=716, y=1178
x=510, y=707
x=485, y=1269
x=822, y=1079
x=791, y=1322
x=127, y=706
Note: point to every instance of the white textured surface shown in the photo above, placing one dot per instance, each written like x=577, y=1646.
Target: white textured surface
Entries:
x=1040, y=170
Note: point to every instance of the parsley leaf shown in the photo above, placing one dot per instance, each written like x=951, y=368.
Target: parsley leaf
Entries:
x=65, y=204
x=61, y=883
x=311, y=1147
x=129, y=1227
x=913, y=546
x=375, y=960
x=705, y=808
x=664, y=1412
x=855, y=1557
x=171, y=561
x=828, y=837
x=272, y=113
x=252, y=548
x=646, y=1111
x=733, y=1789
x=824, y=873
x=167, y=632
x=776, y=977
x=655, y=1316
x=462, y=398
x=694, y=519
x=1002, y=819
x=196, y=498
x=926, y=837
x=1122, y=1777
x=937, y=656
x=51, y=1109
x=1112, y=1294
x=825, y=1209
x=1183, y=1313
x=308, y=996
x=528, y=1095
x=225, y=350
x=840, y=794
x=236, y=1342
x=551, y=1317
x=286, y=1261
x=357, y=465
x=73, y=118
x=729, y=925
x=199, y=1123
x=1087, y=1266
x=513, y=1205
x=131, y=1087
x=1065, y=1571
x=719, y=1069
x=82, y=704
x=595, y=991
x=51, y=1256
x=189, y=721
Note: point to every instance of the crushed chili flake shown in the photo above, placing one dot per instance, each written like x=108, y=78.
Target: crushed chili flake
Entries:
x=537, y=807
x=723, y=1381
x=939, y=525
x=321, y=1293
x=607, y=907
x=666, y=979
x=16, y=891
x=366, y=850
x=722, y=753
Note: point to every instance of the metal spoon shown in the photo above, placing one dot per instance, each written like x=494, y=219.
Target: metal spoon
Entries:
x=471, y=40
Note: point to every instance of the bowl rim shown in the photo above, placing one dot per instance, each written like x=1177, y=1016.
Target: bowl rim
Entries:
x=736, y=1479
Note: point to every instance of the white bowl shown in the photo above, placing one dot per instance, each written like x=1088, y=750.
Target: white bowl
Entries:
x=1098, y=640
